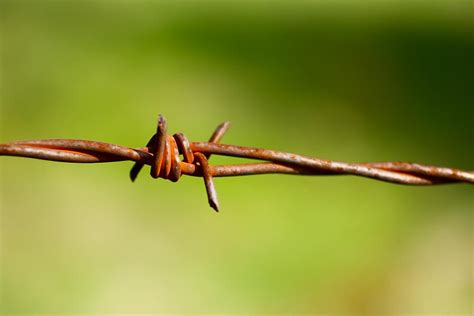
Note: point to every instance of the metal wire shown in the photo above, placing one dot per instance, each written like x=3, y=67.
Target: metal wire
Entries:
x=163, y=153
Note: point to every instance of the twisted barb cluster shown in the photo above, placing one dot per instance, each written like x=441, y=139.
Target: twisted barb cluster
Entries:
x=163, y=153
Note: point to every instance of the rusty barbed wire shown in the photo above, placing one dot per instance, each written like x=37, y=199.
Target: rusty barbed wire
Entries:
x=163, y=153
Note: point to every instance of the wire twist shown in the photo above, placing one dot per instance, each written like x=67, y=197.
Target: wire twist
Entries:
x=163, y=153
x=166, y=162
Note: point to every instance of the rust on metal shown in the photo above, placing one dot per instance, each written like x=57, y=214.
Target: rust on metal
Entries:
x=163, y=153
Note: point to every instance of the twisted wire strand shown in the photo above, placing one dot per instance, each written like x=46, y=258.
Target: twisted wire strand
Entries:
x=163, y=153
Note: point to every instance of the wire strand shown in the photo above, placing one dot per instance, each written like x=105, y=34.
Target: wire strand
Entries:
x=163, y=153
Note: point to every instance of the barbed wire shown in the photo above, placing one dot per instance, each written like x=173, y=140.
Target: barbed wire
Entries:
x=163, y=153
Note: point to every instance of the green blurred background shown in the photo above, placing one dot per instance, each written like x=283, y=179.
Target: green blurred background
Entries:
x=343, y=80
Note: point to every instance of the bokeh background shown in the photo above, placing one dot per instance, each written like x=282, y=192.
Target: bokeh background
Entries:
x=343, y=80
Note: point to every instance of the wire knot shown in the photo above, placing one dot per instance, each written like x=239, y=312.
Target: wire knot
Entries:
x=166, y=161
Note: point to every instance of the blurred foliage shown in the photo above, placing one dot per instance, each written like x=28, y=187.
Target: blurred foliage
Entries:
x=343, y=80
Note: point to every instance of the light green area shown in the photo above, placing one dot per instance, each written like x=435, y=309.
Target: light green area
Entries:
x=351, y=80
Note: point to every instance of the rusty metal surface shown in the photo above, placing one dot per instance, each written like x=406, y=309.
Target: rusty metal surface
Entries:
x=163, y=153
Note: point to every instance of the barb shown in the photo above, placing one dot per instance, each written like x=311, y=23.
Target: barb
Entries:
x=163, y=153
